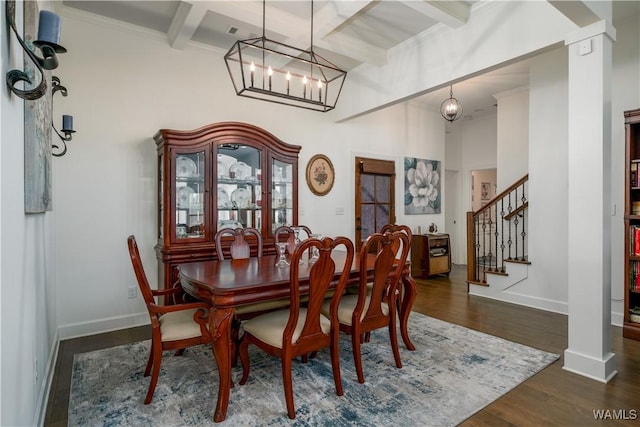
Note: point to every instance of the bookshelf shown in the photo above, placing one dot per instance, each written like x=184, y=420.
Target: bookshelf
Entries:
x=631, y=326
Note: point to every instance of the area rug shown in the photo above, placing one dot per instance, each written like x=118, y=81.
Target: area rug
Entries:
x=453, y=373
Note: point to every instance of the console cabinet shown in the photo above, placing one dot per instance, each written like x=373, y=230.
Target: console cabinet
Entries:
x=631, y=325
x=226, y=174
x=430, y=255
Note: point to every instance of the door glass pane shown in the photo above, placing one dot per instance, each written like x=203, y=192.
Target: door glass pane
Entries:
x=239, y=184
x=190, y=179
x=382, y=189
x=382, y=216
x=367, y=183
x=368, y=221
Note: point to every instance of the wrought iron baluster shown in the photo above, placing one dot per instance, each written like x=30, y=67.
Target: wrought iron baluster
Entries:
x=477, y=238
x=524, y=232
x=502, y=232
x=510, y=241
x=515, y=223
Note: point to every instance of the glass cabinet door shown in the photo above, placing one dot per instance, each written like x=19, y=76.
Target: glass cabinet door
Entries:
x=282, y=192
x=189, y=198
x=239, y=186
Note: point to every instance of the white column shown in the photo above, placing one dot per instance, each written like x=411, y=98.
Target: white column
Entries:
x=589, y=205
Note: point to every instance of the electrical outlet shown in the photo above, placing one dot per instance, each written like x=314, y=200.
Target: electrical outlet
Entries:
x=132, y=292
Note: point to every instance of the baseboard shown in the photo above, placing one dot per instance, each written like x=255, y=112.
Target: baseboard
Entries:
x=617, y=319
x=99, y=326
x=602, y=370
x=45, y=390
x=527, y=301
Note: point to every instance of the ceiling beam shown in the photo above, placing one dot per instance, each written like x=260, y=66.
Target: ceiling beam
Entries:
x=453, y=14
x=326, y=24
x=185, y=22
x=577, y=11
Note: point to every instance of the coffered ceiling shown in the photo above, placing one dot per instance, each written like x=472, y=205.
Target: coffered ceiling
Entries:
x=347, y=33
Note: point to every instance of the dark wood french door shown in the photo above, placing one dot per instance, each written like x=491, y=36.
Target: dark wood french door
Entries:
x=375, y=196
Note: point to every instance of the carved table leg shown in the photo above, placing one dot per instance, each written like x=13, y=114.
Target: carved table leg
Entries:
x=408, y=298
x=220, y=327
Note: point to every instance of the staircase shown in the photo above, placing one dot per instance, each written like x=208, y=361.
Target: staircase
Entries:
x=497, y=242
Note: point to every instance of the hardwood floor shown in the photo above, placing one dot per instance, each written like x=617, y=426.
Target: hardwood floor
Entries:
x=553, y=397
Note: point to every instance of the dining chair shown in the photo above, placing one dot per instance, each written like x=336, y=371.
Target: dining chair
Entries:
x=302, y=329
x=239, y=248
x=387, y=228
x=374, y=306
x=173, y=327
x=289, y=234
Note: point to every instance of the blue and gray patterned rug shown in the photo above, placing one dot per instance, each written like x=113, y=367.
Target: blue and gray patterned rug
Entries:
x=453, y=373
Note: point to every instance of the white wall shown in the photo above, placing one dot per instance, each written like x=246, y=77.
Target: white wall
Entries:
x=513, y=136
x=27, y=293
x=548, y=183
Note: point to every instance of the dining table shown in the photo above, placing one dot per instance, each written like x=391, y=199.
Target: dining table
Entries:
x=230, y=283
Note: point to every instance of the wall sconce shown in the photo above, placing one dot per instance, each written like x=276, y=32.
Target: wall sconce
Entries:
x=48, y=39
x=67, y=121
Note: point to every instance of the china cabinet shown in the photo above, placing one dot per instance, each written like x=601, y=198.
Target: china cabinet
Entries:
x=226, y=174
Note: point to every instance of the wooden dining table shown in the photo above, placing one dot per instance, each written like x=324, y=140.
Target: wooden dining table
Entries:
x=228, y=284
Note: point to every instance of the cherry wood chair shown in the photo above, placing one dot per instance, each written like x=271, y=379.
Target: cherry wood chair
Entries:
x=302, y=329
x=374, y=306
x=390, y=228
x=239, y=247
x=173, y=327
x=288, y=233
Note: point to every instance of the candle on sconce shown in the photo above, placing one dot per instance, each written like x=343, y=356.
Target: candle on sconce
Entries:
x=67, y=123
x=270, y=73
x=304, y=87
x=252, y=69
x=320, y=90
x=49, y=27
x=288, y=80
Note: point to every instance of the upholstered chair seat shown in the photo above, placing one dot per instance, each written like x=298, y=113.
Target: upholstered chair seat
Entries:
x=179, y=325
x=270, y=327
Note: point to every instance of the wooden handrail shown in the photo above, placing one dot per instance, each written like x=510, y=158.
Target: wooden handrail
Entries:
x=501, y=195
x=520, y=208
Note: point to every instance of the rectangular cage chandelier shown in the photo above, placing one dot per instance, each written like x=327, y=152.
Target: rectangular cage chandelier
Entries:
x=268, y=70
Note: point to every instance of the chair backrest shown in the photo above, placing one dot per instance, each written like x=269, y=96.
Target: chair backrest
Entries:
x=391, y=256
x=143, y=283
x=390, y=228
x=285, y=233
x=289, y=234
x=321, y=276
x=239, y=247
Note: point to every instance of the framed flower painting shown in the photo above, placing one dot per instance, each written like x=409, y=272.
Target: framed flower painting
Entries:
x=320, y=175
x=422, y=193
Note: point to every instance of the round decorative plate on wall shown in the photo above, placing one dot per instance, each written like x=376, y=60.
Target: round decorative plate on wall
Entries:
x=320, y=174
